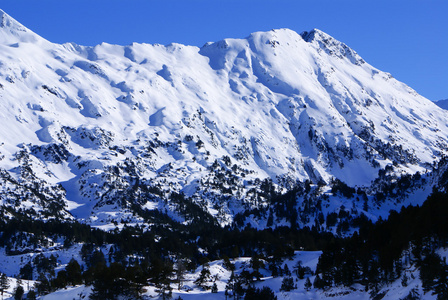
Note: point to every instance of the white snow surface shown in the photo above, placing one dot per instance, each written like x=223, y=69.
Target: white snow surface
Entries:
x=278, y=103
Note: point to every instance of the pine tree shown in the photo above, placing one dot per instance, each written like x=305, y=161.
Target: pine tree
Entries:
x=318, y=283
x=161, y=271
x=204, y=277
x=230, y=286
x=413, y=295
x=43, y=287
x=299, y=270
x=214, y=288
x=111, y=283
x=26, y=272
x=404, y=280
x=441, y=287
x=288, y=284
x=31, y=295
x=60, y=281
x=164, y=290
x=286, y=270
x=180, y=273
x=431, y=267
x=270, y=221
x=228, y=264
x=308, y=284
x=4, y=283
x=18, y=292
x=265, y=293
x=256, y=263
x=239, y=289
x=73, y=271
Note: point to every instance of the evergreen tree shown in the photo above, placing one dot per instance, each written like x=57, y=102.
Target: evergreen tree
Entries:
x=204, y=277
x=301, y=271
x=228, y=264
x=73, y=271
x=413, y=295
x=31, y=295
x=60, y=281
x=231, y=285
x=26, y=272
x=430, y=270
x=256, y=264
x=308, y=284
x=273, y=267
x=251, y=294
x=373, y=277
x=181, y=269
x=239, y=289
x=4, y=283
x=441, y=287
x=18, y=292
x=164, y=289
x=265, y=293
x=246, y=278
x=288, y=284
x=286, y=270
x=404, y=280
x=43, y=287
x=96, y=258
x=317, y=283
x=161, y=270
x=270, y=221
x=110, y=283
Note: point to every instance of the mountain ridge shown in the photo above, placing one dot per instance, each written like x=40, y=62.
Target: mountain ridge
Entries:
x=442, y=103
x=118, y=126
x=13, y=32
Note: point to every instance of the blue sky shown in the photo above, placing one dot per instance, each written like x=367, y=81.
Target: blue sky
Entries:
x=408, y=39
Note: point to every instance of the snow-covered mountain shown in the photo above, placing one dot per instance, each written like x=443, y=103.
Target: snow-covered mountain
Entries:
x=97, y=132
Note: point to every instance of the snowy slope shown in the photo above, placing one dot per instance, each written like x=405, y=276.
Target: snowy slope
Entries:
x=92, y=127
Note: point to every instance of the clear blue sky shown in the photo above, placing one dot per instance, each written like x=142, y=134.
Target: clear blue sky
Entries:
x=407, y=38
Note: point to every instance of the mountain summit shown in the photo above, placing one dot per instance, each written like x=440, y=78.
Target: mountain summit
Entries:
x=110, y=128
x=331, y=46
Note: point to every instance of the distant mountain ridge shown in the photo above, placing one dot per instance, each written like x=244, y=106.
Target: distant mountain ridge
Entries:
x=94, y=132
x=442, y=103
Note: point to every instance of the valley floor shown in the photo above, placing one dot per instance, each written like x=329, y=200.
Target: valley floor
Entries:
x=190, y=291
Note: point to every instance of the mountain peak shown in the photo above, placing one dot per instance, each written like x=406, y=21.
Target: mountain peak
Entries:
x=331, y=45
x=315, y=34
